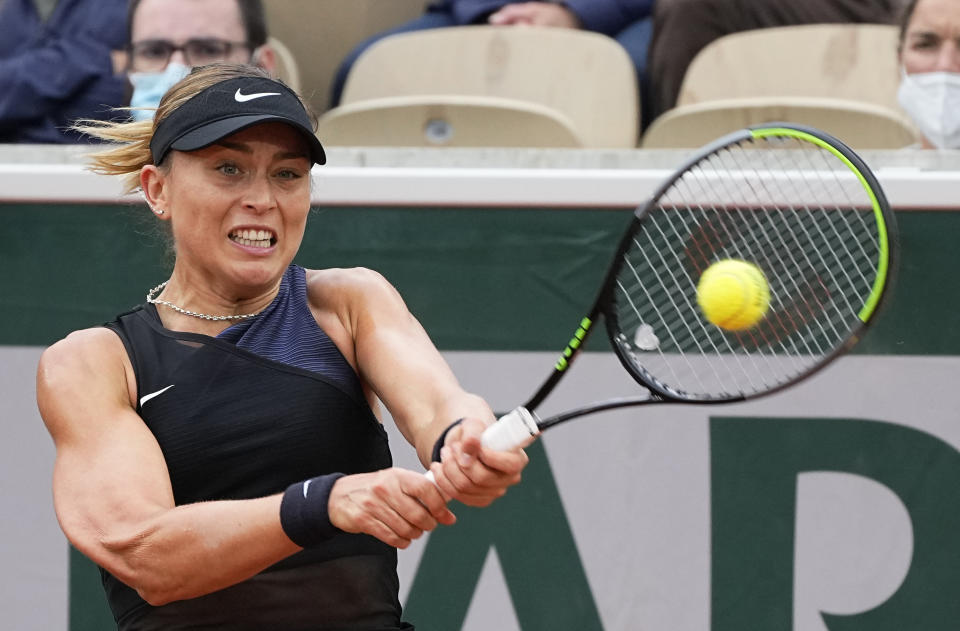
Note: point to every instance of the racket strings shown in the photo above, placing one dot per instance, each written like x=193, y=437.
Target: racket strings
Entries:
x=782, y=215
x=851, y=194
x=676, y=304
x=792, y=208
x=764, y=248
x=753, y=240
x=672, y=261
x=682, y=331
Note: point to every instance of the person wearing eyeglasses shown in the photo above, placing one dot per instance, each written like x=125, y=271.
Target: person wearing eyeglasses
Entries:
x=169, y=37
x=56, y=66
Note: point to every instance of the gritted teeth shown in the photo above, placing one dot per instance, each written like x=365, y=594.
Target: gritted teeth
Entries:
x=253, y=235
x=254, y=238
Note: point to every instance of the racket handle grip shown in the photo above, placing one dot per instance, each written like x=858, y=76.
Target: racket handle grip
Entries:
x=512, y=430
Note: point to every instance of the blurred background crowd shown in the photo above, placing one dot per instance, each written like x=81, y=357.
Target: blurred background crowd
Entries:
x=574, y=73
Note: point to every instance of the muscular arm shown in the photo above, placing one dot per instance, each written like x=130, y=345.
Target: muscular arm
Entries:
x=395, y=356
x=114, y=500
x=112, y=492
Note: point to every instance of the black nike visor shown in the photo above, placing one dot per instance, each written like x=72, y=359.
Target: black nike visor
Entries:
x=228, y=107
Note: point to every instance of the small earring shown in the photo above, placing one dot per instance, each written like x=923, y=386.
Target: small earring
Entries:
x=158, y=211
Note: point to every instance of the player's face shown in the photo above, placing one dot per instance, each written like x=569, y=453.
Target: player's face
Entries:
x=239, y=207
x=931, y=42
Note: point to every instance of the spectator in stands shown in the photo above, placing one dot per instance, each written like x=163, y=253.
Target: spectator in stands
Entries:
x=56, y=66
x=169, y=37
x=681, y=28
x=628, y=21
x=930, y=54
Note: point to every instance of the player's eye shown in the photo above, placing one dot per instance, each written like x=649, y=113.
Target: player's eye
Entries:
x=228, y=168
x=289, y=174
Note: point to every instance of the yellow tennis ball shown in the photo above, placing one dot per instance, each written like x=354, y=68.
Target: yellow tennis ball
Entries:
x=733, y=294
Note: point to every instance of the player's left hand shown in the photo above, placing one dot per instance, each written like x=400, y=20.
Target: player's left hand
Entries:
x=469, y=473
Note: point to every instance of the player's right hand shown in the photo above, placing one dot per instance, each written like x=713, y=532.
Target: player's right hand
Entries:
x=473, y=474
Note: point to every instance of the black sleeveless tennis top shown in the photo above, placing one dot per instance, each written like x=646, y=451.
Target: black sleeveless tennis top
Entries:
x=267, y=403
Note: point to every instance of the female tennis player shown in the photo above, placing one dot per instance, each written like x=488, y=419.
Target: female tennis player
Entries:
x=219, y=451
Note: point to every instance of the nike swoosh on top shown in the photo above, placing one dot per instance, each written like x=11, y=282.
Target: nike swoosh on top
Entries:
x=306, y=485
x=147, y=397
x=243, y=98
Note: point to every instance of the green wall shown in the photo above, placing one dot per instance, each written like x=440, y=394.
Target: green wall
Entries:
x=479, y=279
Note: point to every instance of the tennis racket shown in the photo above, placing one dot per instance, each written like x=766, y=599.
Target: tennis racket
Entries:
x=792, y=200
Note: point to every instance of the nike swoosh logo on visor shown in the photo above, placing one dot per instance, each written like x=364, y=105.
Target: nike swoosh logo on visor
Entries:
x=147, y=397
x=243, y=98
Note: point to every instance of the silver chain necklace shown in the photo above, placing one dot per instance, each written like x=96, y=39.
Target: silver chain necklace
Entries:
x=202, y=316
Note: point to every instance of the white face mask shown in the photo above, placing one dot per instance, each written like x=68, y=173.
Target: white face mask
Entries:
x=932, y=99
x=149, y=88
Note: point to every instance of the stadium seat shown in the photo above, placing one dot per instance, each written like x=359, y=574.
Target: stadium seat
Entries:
x=287, y=69
x=320, y=33
x=446, y=121
x=858, y=124
x=585, y=78
x=846, y=61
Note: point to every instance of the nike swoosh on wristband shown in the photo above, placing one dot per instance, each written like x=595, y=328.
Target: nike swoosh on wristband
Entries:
x=147, y=397
x=240, y=97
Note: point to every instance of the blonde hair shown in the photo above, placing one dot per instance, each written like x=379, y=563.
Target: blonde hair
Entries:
x=131, y=140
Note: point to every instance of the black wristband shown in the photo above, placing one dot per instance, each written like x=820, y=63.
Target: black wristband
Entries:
x=304, y=514
x=437, y=446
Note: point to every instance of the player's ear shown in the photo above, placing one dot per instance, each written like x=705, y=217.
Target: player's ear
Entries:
x=153, y=186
